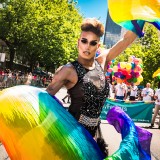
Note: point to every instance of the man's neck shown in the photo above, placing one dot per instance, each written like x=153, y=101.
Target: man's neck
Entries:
x=89, y=64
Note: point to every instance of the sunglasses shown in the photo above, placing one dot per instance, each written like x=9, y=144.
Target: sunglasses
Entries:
x=91, y=43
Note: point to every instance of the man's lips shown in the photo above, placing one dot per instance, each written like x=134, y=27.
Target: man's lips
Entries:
x=86, y=52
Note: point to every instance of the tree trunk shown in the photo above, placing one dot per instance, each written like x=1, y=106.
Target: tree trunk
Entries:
x=12, y=54
x=31, y=66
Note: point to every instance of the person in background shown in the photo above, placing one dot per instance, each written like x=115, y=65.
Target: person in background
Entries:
x=67, y=96
x=5, y=79
x=29, y=79
x=44, y=79
x=139, y=95
x=113, y=88
x=157, y=106
x=85, y=77
x=110, y=88
x=147, y=93
x=121, y=91
x=133, y=92
x=128, y=91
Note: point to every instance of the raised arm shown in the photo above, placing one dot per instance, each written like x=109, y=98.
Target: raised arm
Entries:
x=120, y=46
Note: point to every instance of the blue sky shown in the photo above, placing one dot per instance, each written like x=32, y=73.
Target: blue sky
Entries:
x=93, y=8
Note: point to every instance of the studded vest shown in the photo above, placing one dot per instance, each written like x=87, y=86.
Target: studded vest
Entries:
x=89, y=93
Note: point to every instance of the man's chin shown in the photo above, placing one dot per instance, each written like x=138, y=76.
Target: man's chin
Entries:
x=86, y=57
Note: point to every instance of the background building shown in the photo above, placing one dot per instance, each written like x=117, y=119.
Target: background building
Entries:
x=113, y=32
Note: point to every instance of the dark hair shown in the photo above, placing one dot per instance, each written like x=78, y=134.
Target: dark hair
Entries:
x=93, y=25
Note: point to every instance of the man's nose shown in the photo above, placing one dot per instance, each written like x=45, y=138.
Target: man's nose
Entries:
x=88, y=45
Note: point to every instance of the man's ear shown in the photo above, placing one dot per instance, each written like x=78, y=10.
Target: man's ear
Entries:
x=98, y=45
x=78, y=42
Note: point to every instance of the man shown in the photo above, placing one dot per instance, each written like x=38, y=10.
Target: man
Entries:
x=157, y=107
x=133, y=92
x=121, y=91
x=147, y=93
x=85, y=77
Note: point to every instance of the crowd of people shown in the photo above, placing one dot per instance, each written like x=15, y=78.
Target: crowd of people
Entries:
x=9, y=78
x=131, y=92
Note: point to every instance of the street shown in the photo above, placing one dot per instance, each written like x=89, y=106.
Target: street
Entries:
x=110, y=135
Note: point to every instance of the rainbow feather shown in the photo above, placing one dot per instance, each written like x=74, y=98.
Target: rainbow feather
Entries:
x=132, y=14
x=34, y=125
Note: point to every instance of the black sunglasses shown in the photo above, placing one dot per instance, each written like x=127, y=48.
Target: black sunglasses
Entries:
x=92, y=43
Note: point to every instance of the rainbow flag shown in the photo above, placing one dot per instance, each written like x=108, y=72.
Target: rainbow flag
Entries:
x=132, y=14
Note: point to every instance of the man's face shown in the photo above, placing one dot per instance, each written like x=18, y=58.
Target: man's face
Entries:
x=88, y=44
x=148, y=85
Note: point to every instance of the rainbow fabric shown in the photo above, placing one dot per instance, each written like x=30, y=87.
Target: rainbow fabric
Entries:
x=136, y=141
x=156, y=73
x=35, y=126
x=132, y=14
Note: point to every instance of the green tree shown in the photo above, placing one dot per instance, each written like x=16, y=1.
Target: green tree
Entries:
x=40, y=30
x=151, y=49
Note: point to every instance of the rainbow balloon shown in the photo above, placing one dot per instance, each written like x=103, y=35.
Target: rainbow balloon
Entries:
x=132, y=14
x=35, y=126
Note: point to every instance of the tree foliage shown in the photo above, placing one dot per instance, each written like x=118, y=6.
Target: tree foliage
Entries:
x=40, y=30
x=146, y=48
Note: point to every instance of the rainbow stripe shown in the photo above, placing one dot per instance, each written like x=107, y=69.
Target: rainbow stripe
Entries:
x=132, y=14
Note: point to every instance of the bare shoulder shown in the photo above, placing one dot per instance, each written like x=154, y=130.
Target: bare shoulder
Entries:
x=65, y=71
x=72, y=75
x=68, y=74
x=64, y=76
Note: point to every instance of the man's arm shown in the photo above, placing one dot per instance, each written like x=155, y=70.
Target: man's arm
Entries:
x=155, y=97
x=109, y=54
x=121, y=45
x=152, y=93
x=135, y=88
x=143, y=93
x=115, y=94
x=59, y=80
x=125, y=94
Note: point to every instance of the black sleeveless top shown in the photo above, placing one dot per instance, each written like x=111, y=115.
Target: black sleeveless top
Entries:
x=89, y=93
